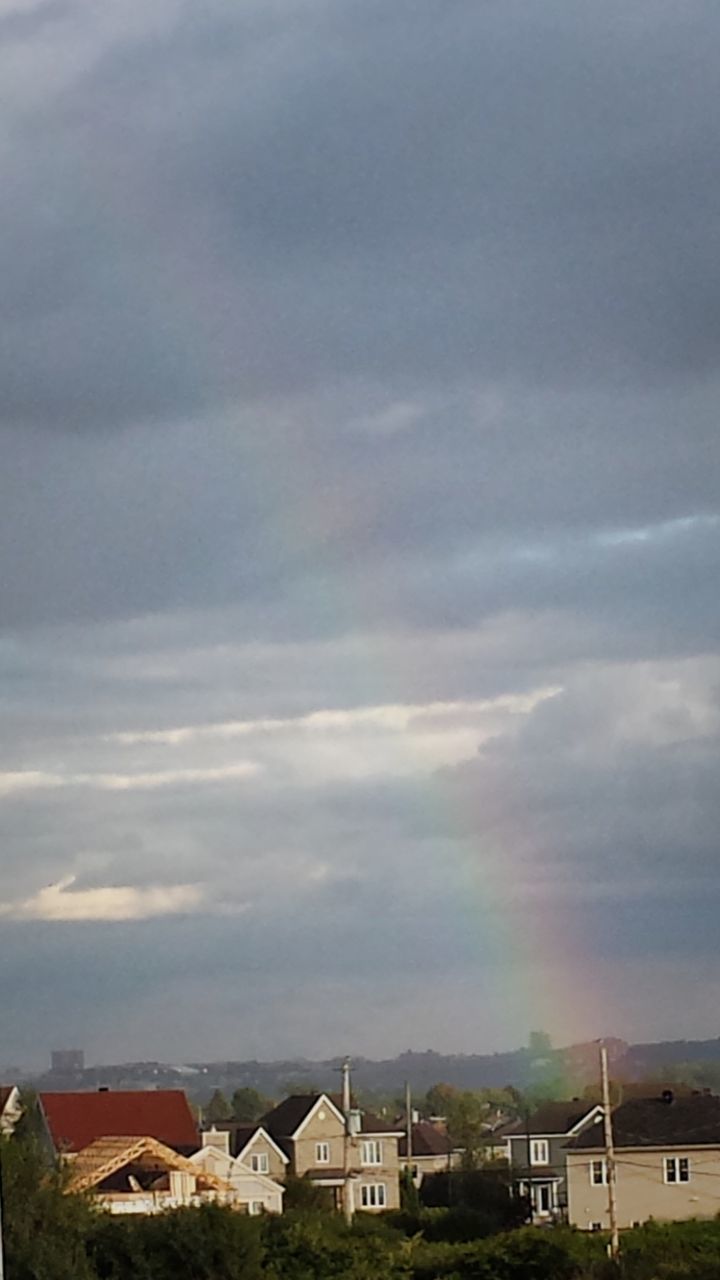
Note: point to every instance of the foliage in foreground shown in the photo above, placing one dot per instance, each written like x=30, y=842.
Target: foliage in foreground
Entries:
x=50, y=1235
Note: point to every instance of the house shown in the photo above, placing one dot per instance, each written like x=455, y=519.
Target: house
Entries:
x=252, y=1190
x=126, y=1174
x=538, y=1145
x=73, y=1120
x=11, y=1108
x=667, y=1156
x=431, y=1152
x=361, y=1153
x=252, y=1145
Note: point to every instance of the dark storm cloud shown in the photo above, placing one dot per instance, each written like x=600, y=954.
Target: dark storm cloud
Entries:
x=245, y=201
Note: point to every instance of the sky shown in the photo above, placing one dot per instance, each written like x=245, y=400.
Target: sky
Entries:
x=359, y=525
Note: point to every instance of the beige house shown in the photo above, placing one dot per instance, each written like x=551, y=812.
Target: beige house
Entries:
x=312, y=1131
x=252, y=1145
x=253, y=1191
x=667, y=1152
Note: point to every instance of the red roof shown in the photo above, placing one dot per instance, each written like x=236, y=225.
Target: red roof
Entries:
x=77, y=1119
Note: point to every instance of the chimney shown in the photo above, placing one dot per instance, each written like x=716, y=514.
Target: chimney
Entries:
x=218, y=1138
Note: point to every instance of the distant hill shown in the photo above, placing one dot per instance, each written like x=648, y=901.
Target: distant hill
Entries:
x=562, y=1071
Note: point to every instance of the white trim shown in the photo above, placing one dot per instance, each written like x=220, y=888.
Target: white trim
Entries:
x=235, y=1165
x=253, y=1136
x=322, y=1151
x=676, y=1162
x=539, y=1152
x=376, y=1191
x=321, y=1101
x=261, y=1159
x=585, y=1121
x=369, y=1148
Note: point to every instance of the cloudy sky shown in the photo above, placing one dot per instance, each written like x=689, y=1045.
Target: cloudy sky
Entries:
x=359, y=524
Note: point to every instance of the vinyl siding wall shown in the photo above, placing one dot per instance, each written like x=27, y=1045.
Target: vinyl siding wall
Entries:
x=642, y=1192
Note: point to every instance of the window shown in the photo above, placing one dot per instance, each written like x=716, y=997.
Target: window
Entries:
x=256, y=1208
x=259, y=1162
x=677, y=1169
x=371, y=1152
x=598, y=1173
x=596, y=1226
x=322, y=1152
x=372, y=1195
x=540, y=1151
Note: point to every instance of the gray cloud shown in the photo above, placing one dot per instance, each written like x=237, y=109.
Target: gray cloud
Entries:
x=357, y=359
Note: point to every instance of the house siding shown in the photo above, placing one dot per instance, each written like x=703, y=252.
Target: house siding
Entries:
x=555, y=1169
x=258, y=1145
x=387, y=1173
x=323, y=1126
x=642, y=1192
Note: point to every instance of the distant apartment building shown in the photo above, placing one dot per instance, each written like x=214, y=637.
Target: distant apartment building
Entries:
x=67, y=1062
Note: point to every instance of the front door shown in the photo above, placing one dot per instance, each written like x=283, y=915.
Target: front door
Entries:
x=543, y=1199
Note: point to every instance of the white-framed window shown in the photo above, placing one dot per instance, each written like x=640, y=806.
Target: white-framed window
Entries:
x=259, y=1162
x=676, y=1169
x=373, y=1195
x=256, y=1208
x=371, y=1152
x=539, y=1151
x=596, y=1226
x=322, y=1152
x=598, y=1173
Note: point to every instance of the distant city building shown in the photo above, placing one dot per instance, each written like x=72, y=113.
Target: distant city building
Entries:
x=67, y=1061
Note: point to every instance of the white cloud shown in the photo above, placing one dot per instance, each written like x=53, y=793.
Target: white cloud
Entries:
x=60, y=902
x=15, y=781
x=391, y=717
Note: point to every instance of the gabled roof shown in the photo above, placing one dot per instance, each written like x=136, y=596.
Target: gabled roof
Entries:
x=244, y=1138
x=8, y=1092
x=106, y=1156
x=659, y=1122
x=76, y=1119
x=235, y=1169
x=554, y=1119
x=287, y=1117
x=427, y=1140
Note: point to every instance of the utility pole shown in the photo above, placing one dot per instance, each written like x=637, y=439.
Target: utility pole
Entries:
x=348, y=1205
x=408, y=1122
x=609, y=1154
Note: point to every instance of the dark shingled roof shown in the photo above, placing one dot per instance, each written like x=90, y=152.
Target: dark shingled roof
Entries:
x=553, y=1118
x=284, y=1120
x=287, y=1116
x=655, y=1122
x=427, y=1140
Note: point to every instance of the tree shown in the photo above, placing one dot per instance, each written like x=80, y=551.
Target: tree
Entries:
x=45, y=1229
x=248, y=1105
x=218, y=1108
